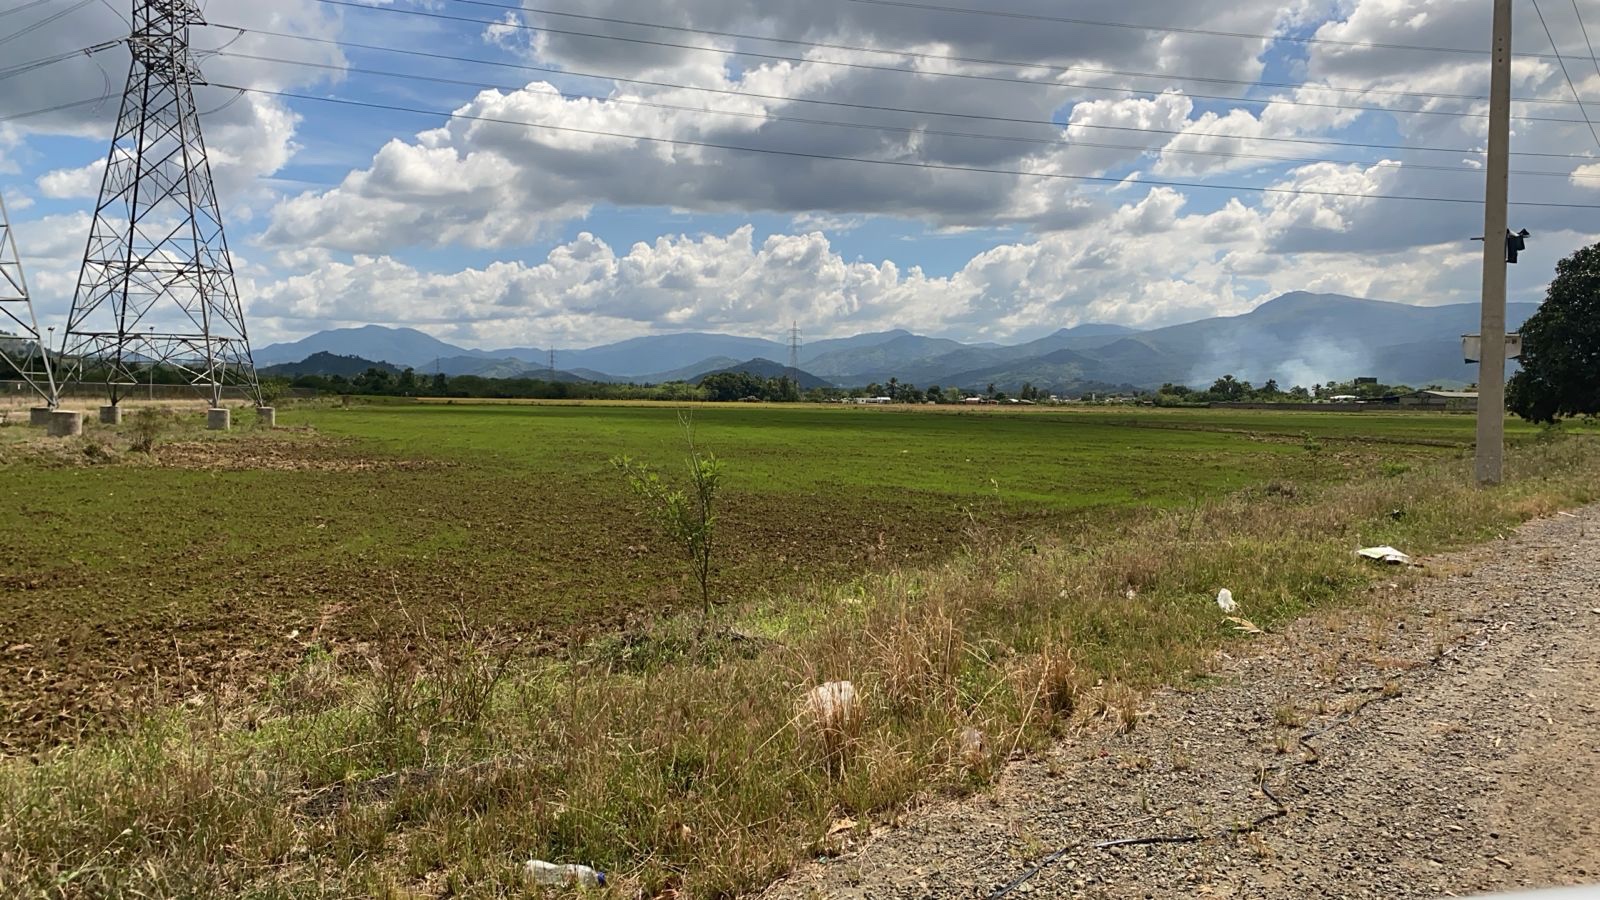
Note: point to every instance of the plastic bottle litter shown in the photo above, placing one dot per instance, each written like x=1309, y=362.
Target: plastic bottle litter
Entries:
x=1385, y=554
x=571, y=874
x=974, y=746
x=834, y=705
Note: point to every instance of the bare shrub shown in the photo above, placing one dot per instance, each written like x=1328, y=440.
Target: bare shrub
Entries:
x=96, y=450
x=396, y=702
x=147, y=426
x=466, y=669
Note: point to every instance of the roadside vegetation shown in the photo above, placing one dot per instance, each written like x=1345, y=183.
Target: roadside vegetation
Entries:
x=435, y=756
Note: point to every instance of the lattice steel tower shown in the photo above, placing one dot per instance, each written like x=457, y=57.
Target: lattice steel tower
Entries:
x=157, y=285
x=22, y=353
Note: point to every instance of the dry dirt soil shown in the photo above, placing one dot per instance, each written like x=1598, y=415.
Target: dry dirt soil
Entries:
x=1446, y=744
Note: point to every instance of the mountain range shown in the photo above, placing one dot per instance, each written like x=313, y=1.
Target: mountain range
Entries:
x=1298, y=338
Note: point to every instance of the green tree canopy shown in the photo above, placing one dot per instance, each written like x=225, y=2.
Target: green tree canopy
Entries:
x=1561, y=346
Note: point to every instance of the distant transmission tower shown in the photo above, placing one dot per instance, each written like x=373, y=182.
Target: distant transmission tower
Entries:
x=22, y=353
x=157, y=286
x=794, y=347
x=552, y=364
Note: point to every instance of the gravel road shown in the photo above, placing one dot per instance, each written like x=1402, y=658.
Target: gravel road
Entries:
x=1447, y=743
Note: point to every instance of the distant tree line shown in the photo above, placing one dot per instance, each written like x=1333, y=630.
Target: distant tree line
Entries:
x=720, y=387
x=408, y=383
x=1229, y=389
x=731, y=387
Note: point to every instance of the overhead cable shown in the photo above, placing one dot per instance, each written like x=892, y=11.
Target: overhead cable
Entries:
x=1177, y=29
x=839, y=104
x=892, y=163
x=971, y=76
x=876, y=126
x=1568, y=75
x=1017, y=64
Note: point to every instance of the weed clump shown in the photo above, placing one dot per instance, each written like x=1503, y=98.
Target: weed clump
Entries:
x=146, y=427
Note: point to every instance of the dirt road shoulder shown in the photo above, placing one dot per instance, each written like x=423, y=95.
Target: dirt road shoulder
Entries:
x=1446, y=745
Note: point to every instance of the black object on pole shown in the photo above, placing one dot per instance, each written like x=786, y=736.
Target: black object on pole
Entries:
x=1516, y=243
x=157, y=286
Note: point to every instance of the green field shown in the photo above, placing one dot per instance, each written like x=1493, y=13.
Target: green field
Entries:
x=197, y=563
x=398, y=649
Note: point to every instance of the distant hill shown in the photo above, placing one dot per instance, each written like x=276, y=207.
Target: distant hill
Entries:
x=1298, y=338
x=660, y=353
x=766, y=368
x=484, y=367
x=901, y=351
x=689, y=372
x=1303, y=338
x=636, y=359
x=397, y=346
x=325, y=364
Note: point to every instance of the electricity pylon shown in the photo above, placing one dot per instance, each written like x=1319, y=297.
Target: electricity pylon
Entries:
x=157, y=287
x=22, y=353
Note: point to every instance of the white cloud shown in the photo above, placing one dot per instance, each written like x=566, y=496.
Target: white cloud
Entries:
x=81, y=182
x=1148, y=263
x=486, y=183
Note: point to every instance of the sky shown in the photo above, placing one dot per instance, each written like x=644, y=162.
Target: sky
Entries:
x=498, y=174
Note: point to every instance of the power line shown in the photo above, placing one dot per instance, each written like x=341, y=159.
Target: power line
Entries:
x=1574, y=88
x=58, y=107
x=1050, y=67
x=1585, y=30
x=839, y=104
x=903, y=164
x=1176, y=29
x=23, y=8
x=45, y=21
x=876, y=126
x=20, y=68
x=971, y=76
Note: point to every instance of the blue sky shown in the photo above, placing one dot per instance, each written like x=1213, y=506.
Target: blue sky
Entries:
x=493, y=234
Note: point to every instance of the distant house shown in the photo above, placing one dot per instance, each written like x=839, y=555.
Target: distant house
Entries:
x=1344, y=398
x=1465, y=401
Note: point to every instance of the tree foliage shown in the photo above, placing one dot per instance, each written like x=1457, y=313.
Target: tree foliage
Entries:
x=1560, y=373
x=727, y=387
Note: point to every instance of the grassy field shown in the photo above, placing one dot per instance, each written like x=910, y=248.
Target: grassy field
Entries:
x=392, y=650
x=192, y=566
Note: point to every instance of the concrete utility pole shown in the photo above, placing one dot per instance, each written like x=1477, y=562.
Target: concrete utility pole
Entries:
x=1492, y=357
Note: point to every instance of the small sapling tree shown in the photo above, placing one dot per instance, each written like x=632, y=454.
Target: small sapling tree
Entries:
x=273, y=390
x=686, y=515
